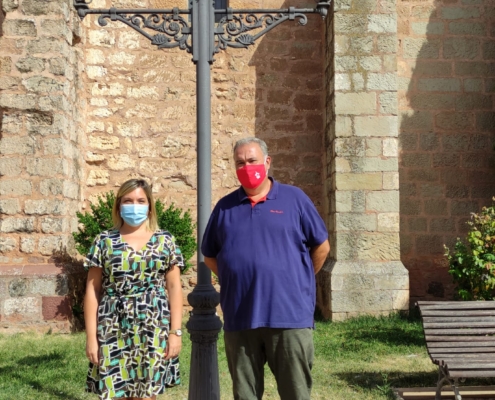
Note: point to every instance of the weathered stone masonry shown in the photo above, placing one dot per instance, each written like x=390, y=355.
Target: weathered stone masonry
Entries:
x=383, y=114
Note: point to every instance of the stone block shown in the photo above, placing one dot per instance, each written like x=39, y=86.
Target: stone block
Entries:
x=7, y=244
x=19, y=101
x=365, y=181
x=17, y=187
x=56, y=307
x=377, y=126
x=454, y=121
x=120, y=162
x=13, y=224
x=343, y=201
x=356, y=222
x=382, y=23
x=473, y=69
x=48, y=245
x=435, y=207
x=387, y=81
x=377, y=164
x=147, y=92
x=57, y=66
x=415, y=48
x=355, y=103
x=113, y=89
x=463, y=48
x=52, y=186
x=10, y=166
x=45, y=45
x=10, y=206
x=104, y=142
x=41, y=84
x=46, y=166
x=460, y=12
x=467, y=28
x=101, y=38
x=473, y=85
x=361, y=44
x=36, y=7
x=388, y=222
x=27, y=308
x=18, y=287
x=54, y=225
x=30, y=64
x=388, y=103
x=17, y=145
x=97, y=177
x=28, y=244
x=9, y=82
x=371, y=63
x=390, y=181
x=439, y=85
x=19, y=27
x=383, y=201
x=423, y=28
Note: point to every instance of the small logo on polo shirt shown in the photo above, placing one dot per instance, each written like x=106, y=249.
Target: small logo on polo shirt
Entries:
x=276, y=211
x=257, y=175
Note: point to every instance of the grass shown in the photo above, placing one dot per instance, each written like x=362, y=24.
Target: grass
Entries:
x=361, y=358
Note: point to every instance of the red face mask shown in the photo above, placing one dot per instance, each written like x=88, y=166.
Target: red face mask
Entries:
x=251, y=176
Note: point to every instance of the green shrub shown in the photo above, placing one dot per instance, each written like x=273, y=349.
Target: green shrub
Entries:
x=473, y=265
x=173, y=219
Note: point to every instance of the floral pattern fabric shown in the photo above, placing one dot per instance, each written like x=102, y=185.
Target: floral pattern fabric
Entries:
x=133, y=316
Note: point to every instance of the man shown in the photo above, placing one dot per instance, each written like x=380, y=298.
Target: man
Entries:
x=266, y=242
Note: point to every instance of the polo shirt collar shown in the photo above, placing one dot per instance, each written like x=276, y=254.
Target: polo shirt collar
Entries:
x=272, y=194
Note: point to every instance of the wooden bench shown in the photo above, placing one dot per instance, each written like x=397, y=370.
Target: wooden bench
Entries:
x=460, y=338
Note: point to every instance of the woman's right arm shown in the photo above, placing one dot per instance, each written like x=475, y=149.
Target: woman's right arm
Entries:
x=91, y=302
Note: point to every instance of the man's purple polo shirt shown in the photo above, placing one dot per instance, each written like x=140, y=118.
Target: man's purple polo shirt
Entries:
x=265, y=269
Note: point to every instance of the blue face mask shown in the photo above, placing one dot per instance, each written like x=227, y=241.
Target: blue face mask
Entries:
x=134, y=214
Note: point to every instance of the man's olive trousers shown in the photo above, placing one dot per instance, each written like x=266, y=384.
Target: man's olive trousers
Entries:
x=289, y=353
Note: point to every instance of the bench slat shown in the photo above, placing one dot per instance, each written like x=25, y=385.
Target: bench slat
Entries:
x=461, y=345
x=455, y=338
x=468, y=350
x=461, y=305
x=470, y=357
x=459, y=325
x=478, y=331
x=460, y=318
x=472, y=374
x=445, y=313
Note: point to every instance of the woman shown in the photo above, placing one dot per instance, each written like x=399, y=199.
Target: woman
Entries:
x=133, y=331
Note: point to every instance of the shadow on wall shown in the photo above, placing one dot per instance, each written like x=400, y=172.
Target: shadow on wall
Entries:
x=289, y=103
x=447, y=163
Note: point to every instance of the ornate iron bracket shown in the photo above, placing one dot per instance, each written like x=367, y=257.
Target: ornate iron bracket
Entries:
x=176, y=31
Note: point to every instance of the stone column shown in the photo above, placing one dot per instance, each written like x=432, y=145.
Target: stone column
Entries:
x=40, y=164
x=365, y=274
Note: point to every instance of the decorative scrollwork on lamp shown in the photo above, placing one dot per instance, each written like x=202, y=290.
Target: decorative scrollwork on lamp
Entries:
x=174, y=30
x=232, y=30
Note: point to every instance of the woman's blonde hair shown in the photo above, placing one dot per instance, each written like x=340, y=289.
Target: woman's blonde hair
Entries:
x=127, y=187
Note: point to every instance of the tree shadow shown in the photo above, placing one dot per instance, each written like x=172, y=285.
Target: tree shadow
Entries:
x=447, y=160
x=289, y=101
x=72, y=283
x=20, y=370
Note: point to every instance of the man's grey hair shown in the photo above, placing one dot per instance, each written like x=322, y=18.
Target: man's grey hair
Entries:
x=261, y=143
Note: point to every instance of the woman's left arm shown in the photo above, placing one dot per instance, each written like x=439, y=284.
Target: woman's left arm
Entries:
x=174, y=289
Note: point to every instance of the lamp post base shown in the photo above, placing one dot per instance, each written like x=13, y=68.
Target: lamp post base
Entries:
x=204, y=326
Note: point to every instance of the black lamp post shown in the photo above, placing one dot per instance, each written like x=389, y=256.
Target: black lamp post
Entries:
x=211, y=27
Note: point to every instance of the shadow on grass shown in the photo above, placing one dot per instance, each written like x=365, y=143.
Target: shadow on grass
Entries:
x=26, y=369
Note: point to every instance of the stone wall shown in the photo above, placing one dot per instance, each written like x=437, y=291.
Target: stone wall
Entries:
x=364, y=274
x=446, y=99
x=41, y=114
x=141, y=119
x=40, y=165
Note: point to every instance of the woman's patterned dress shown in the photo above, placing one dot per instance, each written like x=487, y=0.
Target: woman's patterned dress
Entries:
x=133, y=316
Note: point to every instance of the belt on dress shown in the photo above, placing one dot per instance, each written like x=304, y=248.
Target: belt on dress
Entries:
x=122, y=301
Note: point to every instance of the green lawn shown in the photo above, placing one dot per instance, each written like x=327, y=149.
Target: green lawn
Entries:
x=361, y=358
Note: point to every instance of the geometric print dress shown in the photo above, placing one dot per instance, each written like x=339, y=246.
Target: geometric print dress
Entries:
x=133, y=316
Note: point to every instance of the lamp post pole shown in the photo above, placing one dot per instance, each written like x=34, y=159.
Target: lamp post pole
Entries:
x=198, y=34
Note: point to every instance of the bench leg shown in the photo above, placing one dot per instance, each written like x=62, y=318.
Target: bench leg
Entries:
x=443, y=379
x=456, y=390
